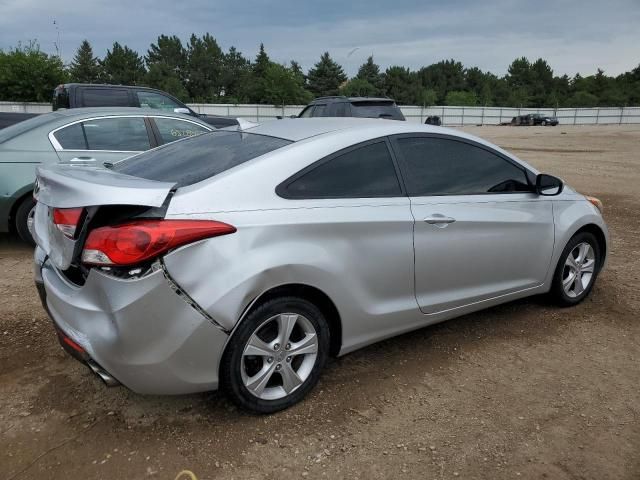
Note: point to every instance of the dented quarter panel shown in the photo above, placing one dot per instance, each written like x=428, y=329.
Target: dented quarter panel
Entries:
x=139, y=330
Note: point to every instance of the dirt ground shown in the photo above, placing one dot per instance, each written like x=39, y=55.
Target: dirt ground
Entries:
x=524, y=390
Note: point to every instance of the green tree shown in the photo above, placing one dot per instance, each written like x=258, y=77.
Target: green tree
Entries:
x=259, y=71
x=443, y=77
x=282, y=86
x=370, y=73
x=204, y=69
x=326, y=77
x=461, y=98
x=236, y=77
x=166, y=63
x=84, y=68
x=29, y=75
x=402, y=85
x=358, y=87
x=123, y=66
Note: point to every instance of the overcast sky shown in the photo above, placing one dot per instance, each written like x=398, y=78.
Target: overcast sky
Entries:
x=572, y=35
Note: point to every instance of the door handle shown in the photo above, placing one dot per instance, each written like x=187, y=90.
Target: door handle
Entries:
x=439, y=219
x=83, y=159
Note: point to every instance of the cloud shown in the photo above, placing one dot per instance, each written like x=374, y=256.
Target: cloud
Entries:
x=573, y=35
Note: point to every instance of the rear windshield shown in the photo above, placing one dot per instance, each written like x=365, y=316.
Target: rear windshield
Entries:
x=195, y=159
x=376, y=110
x=24, y=126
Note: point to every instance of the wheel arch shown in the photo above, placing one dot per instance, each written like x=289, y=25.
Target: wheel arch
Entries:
x=20, y=196
x=597, y=232
x=306, y=292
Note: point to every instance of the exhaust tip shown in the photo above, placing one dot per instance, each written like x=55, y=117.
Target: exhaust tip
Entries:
x=105, y=376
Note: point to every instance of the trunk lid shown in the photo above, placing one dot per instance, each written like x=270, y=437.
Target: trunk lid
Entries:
x=63, y=186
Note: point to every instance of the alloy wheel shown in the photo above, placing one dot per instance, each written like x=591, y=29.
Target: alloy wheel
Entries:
x=279, y=356
x=579, y=268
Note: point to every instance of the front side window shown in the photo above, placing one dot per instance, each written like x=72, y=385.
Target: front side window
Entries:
x=439, y=166
x=320, y=111
x=157, y=101
x=307, y=112
x=363, y=172
x=127, y=134
x=172, y=129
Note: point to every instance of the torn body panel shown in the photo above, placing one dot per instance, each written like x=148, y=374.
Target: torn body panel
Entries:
x=139, y=330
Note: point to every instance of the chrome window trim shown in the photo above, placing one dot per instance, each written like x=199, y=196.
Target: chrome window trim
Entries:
x=58, y=148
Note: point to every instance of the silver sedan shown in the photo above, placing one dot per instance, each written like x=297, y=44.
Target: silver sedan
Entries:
x=243, y=258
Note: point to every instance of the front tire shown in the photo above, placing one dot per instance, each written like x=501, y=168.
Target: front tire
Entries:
x=577, y=270
x=23, y=217
x=276, y=355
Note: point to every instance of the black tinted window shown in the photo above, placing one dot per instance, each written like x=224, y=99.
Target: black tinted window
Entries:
x=376, y=110
x=437, y=166
x=71, y=137
x=105, y=97
x=364, y=172
x=128, y=134
x=320, y=111
x=194, y=159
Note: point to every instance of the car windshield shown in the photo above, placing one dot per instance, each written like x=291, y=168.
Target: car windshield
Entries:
x=192, y=160
x=19, y=128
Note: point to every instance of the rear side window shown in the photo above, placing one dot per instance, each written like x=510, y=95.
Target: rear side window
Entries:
x=105, y=97
x=127, y=134
x=172, y=129
x=439, y=166
x=363, y=172
x=71, y=137
x=376, y=110
x=195, y=159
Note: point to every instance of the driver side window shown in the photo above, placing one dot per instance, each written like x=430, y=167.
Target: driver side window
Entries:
x=441, y=166
x=156, y=101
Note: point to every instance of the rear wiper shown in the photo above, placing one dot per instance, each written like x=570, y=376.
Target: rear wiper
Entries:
x=107, y=165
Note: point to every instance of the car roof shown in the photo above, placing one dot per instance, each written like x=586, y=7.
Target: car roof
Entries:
x=296, y=129
x=342, y=98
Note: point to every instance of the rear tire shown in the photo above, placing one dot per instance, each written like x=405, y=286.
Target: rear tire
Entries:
x=24, y=214
x=276, y=355
x=577, y=270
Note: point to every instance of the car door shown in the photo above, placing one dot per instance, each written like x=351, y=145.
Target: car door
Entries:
x=354, y=203
x=170, y=129
x=480, y=230
x=105, y=139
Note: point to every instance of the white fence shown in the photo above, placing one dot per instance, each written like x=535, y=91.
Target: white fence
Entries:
x=448, y=115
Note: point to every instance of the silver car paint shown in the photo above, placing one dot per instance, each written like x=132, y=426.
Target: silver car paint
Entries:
x=149, y=338
x=357, y=251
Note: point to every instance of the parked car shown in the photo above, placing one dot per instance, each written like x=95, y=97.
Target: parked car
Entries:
x=243, y=259
x=433, y=120
x=365, y=107
x=88, y=95
x=80, y=136
x=534, y=119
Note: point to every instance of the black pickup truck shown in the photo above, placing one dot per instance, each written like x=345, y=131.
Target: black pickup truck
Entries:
x=78, y=95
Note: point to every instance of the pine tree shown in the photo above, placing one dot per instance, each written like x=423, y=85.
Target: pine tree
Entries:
x=122, y=66
x=205, y=62
x=236, y=77
x=326, y=77
x=85, y=68
x=370, y=72
x=259, y=71
x=166, y=62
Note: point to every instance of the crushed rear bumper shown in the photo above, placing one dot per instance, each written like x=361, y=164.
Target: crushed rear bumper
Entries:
x=138, y=331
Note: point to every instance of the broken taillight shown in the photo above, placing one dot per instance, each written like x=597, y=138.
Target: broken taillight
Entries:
x=67, y=220
x=142, y=240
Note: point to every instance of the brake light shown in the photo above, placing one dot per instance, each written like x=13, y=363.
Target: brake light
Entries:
x=67, y=220
x=138, y=241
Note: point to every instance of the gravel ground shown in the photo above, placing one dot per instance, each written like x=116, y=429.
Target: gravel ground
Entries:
x=524, y=390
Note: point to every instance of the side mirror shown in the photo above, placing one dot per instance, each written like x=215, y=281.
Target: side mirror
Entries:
x=548, y=185
x=184, y=110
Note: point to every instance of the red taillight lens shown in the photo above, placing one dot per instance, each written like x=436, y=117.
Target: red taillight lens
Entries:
x=136, y=242
x=67, y=219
